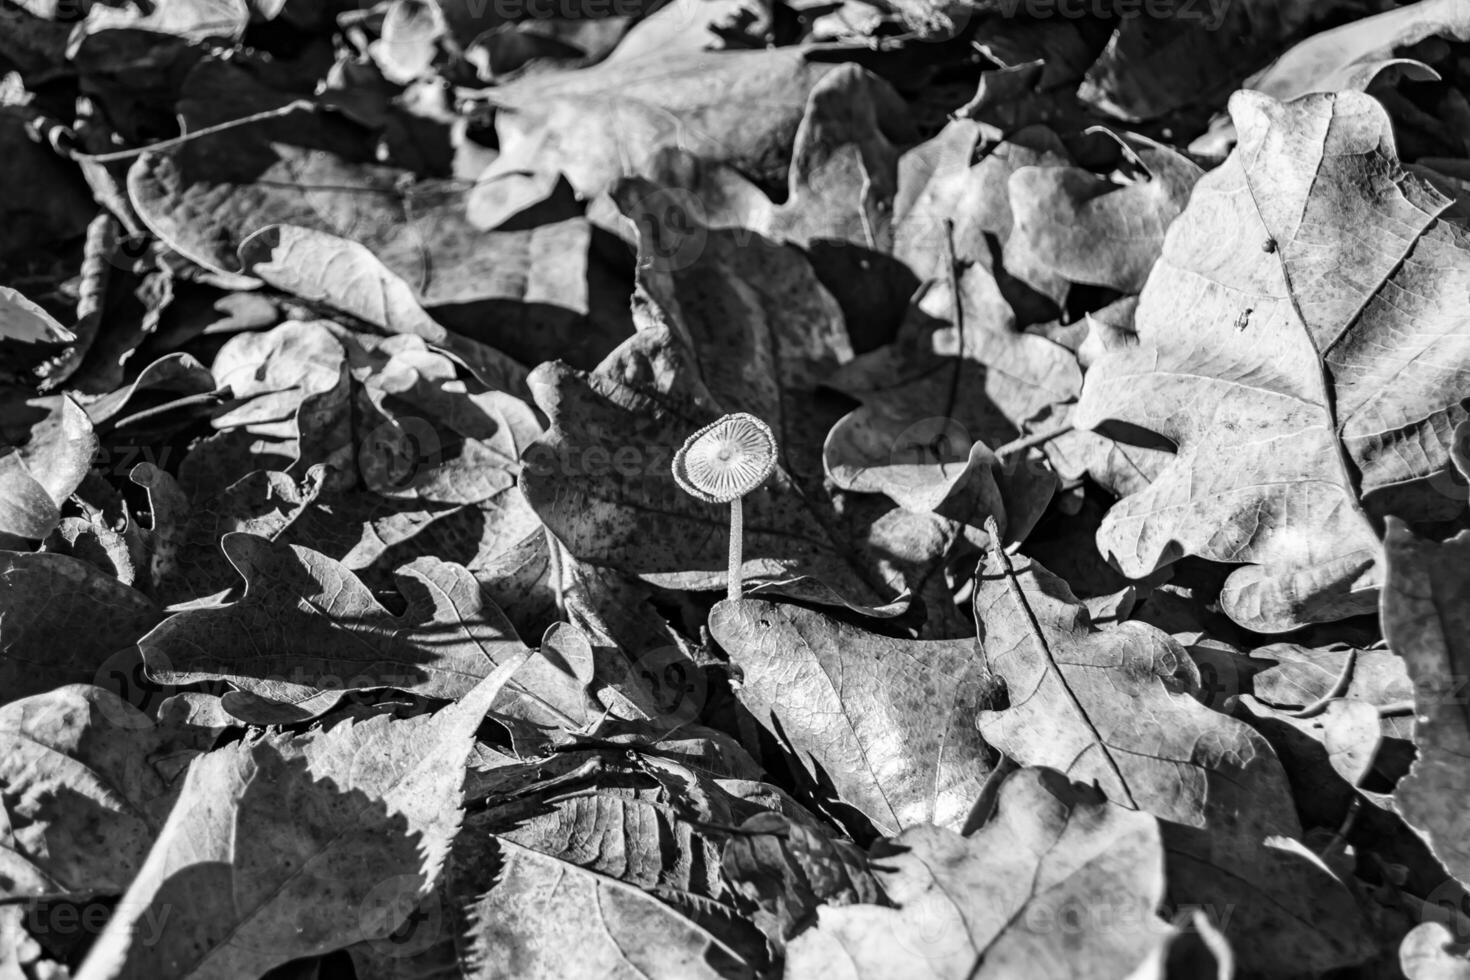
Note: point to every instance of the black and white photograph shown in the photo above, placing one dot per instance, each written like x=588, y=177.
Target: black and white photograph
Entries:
x=734, y=490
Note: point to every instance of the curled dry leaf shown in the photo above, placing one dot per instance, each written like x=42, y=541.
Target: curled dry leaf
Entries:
x=26, y=322
x=1430, y=952
x=1351, y=57
x=36, y=478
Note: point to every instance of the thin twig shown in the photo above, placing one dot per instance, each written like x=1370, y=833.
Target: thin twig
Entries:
x=957, y=315
x=284, y=110
x=188, y=401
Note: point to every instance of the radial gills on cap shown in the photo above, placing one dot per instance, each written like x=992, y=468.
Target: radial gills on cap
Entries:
x=726, y=459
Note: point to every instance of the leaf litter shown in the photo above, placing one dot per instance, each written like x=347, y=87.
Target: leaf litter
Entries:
x=1096, y=609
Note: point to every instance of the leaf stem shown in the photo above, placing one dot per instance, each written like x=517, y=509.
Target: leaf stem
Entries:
x=1034, y=439
x=1338, y=689
x=957, y=315
x=1018, y=594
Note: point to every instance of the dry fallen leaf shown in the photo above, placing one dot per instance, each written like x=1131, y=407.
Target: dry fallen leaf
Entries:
x=890, y=723
x=305, y=631
x=275, y=846
x=1113, y=707
x=85, y=786
x=1052, y=856
x=50, y=600
x=1308, y=377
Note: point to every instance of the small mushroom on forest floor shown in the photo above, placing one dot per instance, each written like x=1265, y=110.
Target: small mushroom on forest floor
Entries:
x=721, y=463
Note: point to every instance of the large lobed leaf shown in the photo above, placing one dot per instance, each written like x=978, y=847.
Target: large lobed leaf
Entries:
x=1309, y=374
x=1051, y=859
x=305, y=630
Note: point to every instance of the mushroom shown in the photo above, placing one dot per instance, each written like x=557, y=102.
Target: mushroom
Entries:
x=721, y=463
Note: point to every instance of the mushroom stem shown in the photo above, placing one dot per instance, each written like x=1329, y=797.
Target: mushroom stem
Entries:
x=737, y=535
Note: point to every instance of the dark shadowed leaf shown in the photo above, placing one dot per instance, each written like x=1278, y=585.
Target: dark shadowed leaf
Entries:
x=1425, y=606
x=279, y=847
x=60, y=619
x=86, y=781
x=785, y=871
x=305, y=630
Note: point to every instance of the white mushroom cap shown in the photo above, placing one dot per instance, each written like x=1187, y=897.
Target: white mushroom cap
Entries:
x=726, y=459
